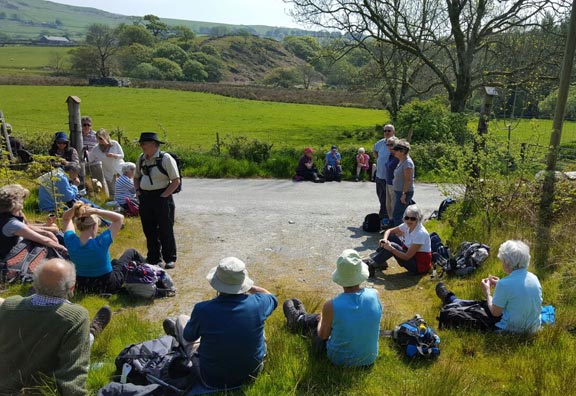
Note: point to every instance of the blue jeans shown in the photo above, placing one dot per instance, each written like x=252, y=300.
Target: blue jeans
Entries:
x=400, y=208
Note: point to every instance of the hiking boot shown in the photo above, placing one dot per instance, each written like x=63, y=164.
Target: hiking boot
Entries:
x=170, y=265
x=100, y=321
x=371, y=272
x=292, y=313
x=443, y=293
x=299, y=305
x=169, y=326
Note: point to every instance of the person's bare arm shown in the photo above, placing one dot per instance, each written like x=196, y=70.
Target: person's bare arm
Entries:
x=325, y=322
x=31, y=235
x=407, y=184
x=494, y=309
x=412, y=250
x=116, y=219
x=174, y=183
x=394, y=230
x=258, y=289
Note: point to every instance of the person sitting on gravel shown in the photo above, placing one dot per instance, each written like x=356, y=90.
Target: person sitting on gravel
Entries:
x=348, y=328
x=409, y=244
x=90, y=252
x=517, y=301
x=224, y=337
x=46, y=336
x=306, y=169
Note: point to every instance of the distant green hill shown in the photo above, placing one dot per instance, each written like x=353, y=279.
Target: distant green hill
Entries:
x=29, y=19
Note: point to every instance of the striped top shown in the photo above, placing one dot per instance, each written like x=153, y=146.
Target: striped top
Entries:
x=124, y=189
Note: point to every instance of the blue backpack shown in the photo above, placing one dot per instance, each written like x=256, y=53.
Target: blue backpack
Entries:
x=416, y=338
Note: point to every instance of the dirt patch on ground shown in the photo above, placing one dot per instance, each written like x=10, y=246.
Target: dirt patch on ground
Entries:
x=289, y=234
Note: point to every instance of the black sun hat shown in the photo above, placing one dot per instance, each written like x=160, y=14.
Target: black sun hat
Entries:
x=149, y=137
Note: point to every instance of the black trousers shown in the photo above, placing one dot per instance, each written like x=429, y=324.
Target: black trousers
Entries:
x=381, y=192
x=111, y=282
x=157, y=216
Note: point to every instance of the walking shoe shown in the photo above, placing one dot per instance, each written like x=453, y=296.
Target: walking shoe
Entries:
x=299, y=305
x=169, y=326
x=292, y=313
x=443, y=293
x=100, y=321
x=170, y=265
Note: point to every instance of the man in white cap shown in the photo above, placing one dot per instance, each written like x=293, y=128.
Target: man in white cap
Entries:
x=227, y=331
x=348, y=328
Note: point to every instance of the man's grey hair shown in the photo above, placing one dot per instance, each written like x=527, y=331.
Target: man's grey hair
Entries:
x=414, y=211
x=390, y=126
x=61, y=288
x=127, y=167
x=515, y=254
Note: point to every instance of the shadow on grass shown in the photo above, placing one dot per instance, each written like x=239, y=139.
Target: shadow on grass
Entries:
x=396, y=281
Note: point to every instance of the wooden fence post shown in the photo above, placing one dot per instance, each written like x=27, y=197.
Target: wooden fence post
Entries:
x=5, y=134
x=74, y=126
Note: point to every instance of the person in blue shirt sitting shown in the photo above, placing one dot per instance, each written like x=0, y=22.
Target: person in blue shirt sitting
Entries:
x=348, y=328
x=517, y=301
x=224, y=337
x=333, y=167
x=90, y=251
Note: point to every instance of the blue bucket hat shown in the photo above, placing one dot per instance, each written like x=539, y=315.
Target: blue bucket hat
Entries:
x=61, y=137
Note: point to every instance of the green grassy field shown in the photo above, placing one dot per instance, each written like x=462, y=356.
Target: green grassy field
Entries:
x=28, y=60
x=183, y=118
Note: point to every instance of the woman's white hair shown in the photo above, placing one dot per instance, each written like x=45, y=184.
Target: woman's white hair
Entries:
x=415, y=211
x=127, y=167
x=515, y=254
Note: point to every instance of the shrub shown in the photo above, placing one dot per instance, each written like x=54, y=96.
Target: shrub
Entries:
x=146, y=71
x=172, y=52
x=170, y=70
x=194, y=71
x=240, y=147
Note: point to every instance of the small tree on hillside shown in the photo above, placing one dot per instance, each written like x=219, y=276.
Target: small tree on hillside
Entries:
x=102, y=39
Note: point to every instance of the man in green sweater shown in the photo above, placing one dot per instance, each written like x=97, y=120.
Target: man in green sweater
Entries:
x=46, y=336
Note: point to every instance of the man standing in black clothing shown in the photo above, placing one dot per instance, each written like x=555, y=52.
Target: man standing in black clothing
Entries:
x=155, y=179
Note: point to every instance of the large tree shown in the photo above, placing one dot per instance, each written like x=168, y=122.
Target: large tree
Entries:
x=102, y=40
x=446, y=36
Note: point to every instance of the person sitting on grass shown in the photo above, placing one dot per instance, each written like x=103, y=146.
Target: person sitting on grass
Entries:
x=224, y=337
x=13, y=225
x=517, y=301
x=46, y=336
x=125, y=190
x=61, y=148
x=90, y=251
x=306, y=169
x=348, y=328
x=409, y=243
x=333, y=165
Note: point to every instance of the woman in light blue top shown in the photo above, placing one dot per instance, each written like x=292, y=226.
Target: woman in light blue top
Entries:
x=403, y=180
x=349, y=326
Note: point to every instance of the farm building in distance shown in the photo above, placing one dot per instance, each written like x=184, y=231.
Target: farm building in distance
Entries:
x=54, y=40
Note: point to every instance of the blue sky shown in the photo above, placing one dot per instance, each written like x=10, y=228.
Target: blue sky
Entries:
x=240, y=12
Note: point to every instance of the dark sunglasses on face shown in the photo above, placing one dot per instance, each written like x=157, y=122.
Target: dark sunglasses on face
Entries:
x=390, y=144
x=387, y=130
x=410, y=218
x=398, y=148
x=86, y=124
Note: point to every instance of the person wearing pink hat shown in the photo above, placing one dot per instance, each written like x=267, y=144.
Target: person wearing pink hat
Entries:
x=306, y=169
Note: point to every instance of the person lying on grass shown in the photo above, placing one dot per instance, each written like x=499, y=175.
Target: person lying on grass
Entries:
x=517, y=301
x=408, y=243
x=90, y=251
x=348, y=328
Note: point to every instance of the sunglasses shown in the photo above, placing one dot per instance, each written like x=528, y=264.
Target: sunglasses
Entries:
x=410, y=218
x=390, y=144
x=398, y=148
x=388, y=130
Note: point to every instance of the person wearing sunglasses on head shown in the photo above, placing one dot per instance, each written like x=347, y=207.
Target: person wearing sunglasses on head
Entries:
x=408, y=243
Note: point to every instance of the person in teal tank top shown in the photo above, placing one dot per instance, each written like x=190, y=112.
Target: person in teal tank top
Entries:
x=348, y=328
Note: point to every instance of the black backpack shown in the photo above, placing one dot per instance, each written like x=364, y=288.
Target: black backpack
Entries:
x=416, y=338
x=437, y=214
x=440, y=255
x=469, y=257
x=160, y=361
x=371, y=223
x=467, y=315
x=179, y=164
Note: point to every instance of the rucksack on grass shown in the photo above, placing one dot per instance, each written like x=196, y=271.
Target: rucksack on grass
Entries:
x=469, y=256
x=371, y=223
x=21, y=261
x=416, y=338
x=179, y=165
x=148, y=281
x=160, y=361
